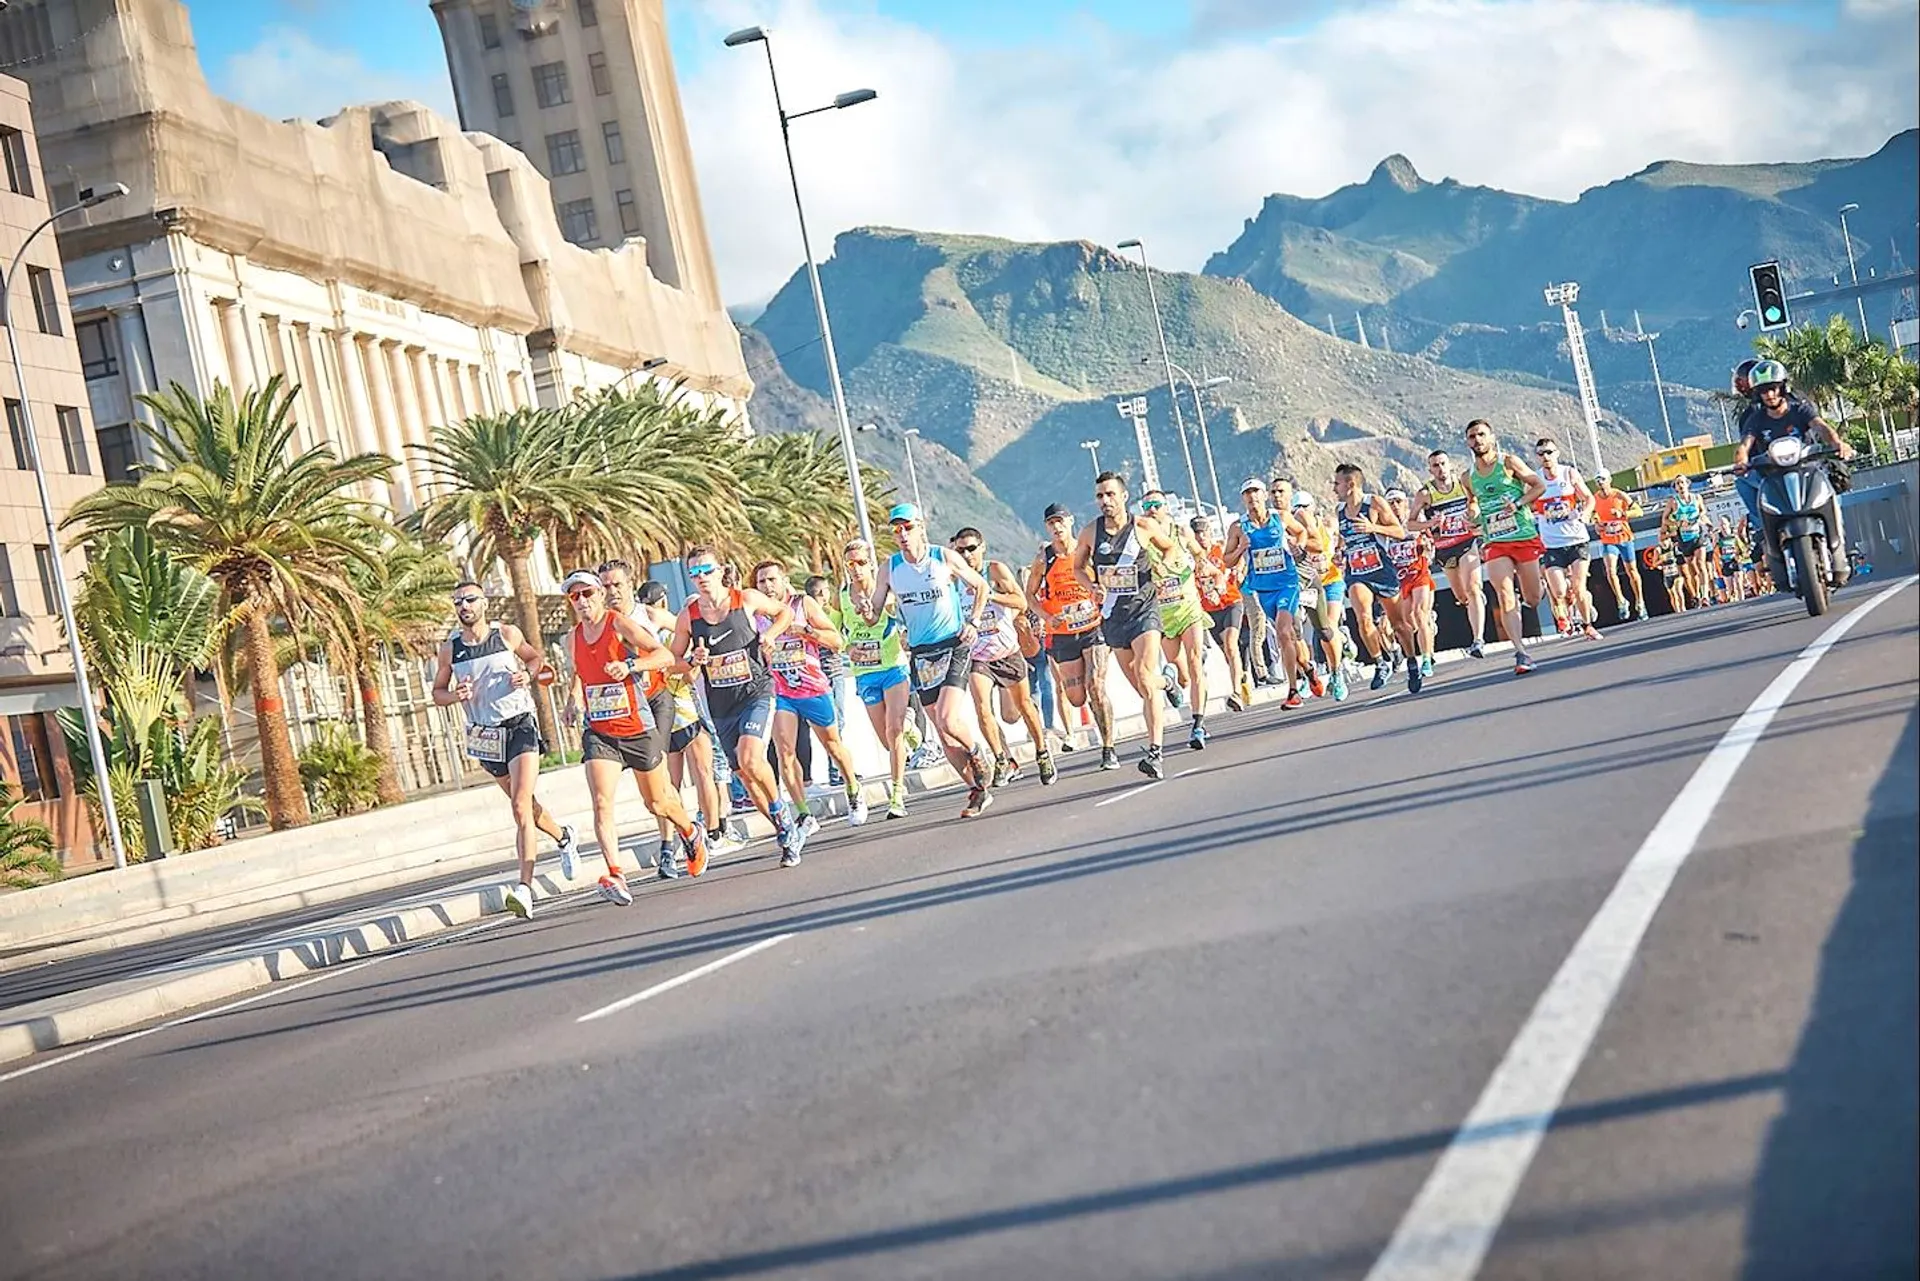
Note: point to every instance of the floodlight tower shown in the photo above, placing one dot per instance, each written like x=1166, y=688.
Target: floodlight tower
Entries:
x=1135, y=409
x=1563, y=296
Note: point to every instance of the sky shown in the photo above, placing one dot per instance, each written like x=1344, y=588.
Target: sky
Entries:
x=1166, y=120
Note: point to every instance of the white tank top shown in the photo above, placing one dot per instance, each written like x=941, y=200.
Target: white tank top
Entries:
x=1559, y=526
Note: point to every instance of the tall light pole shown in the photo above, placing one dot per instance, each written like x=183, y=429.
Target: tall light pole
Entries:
x=1206, y=441
x=96, y=749
x=852, y=98
x=1564, y=296
x=1179, y=419
x=1853, y=272
x=913, y=477
x=1093, y=448
x=1659, y=389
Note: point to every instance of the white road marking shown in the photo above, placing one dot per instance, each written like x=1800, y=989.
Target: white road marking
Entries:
x=1451, y=1224
x=627, y=1002
x=1127, y=795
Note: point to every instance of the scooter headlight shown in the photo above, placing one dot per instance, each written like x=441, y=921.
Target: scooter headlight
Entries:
x=1786, y=452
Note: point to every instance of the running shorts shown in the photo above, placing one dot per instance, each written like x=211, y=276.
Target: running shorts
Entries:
x=1121, y=630
x=1448, y=557
x=1275, y=603
x=1617, y=551
x=1688, y=548
x=814, y=710
x=495, y=746
x=1224, y=620
x=1176, y=619
x=1523, y=551
x=1412, y=584
x=1566, y=557
x=942, y=665
x=1072, y=648
x=683, y=738
x=644, y=751
x=1006, y=672
x=748, y=720
x=1384, y=585
x=873, y=686
x=1333, y=595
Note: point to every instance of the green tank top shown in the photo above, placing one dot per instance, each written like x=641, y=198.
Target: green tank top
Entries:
x=1172, y=573
x=1493, y=493
x=871, y=647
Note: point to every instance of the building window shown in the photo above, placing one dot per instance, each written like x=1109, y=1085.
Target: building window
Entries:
x=597, y=69
x=17, y=429
x=564, y=153
x=629, y=213
x=46, y=299
x=19, y=164
x=43, y=561
x=589, y=13
x=33, y=756
x=98, y=359
x=489, y=31
x=616, y=149
x=73, y=439
x=9, y=598
x=116, y=454
x=502, y=95
x=578, y=223
x=550, y=84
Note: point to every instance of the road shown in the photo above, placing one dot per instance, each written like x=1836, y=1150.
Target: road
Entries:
x=1226, y=1026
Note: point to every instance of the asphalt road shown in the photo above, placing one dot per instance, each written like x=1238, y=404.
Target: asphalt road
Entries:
x=1221, y=1027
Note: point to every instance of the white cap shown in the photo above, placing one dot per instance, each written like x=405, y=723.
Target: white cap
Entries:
x=1253, y=484
x=1302, y=500
x=1396, y=492
x=580, y=578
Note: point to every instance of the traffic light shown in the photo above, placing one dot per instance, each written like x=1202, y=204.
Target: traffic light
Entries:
x=1769, y=299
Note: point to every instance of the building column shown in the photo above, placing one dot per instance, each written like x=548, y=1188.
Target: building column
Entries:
x=358, y=431
x=386, y=418
x=132, y=329
x=233, y=336
x=322, y=407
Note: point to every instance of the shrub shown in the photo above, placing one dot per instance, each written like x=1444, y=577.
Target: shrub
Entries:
x=341, y=774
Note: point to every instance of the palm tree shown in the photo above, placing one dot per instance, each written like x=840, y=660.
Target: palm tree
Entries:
x=273, y=528
x=1820, y=359
x=795, y=491
x=26, y=847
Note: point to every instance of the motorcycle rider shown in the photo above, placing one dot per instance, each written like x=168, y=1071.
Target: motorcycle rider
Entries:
x=1776, y=414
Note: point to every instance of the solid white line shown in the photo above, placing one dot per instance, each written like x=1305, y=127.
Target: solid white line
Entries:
x=626, y=1002
x=1451, y=1224
x=1144, y=787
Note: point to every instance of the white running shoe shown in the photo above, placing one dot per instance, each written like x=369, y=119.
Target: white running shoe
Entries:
x=613, y=888
x=808, y=826
x=856, y=810
x=520, y=901
x=569, y=852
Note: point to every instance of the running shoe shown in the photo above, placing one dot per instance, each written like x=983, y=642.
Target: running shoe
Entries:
x=897, y=801
x=1314, y=682
x=856, y=809
x=1415, y=680
x=1591, y=632
x=1109, y=759
x=1001, y=772
x=925, y=756
x=793, y=840
x=1150, y=764
x=790, y=856
x=1339, y=687
x=1620, y=612
x=1426, y=665
x=665, y=863
x=1476, y=650
x=1048, y=774
x=1293, y=700
x=695, y=847
x=1640, y=611
x=910, y=734
x=1379, y=680
x=833, y=777
x=1068, y=744
x=1170, y=680
x=569, y=852
x=613, y=888
x=1522, y=664
x=520, y=901
x=808, y=826
x=978, y=799
x=1234, y=704
x=1197, y=741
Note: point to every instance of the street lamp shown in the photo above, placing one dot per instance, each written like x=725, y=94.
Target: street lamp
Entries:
x=1179, y=420
x=1853, y=271
x=1200, y=413
x=852, y=98
x=96, y=750
x=1641, y=335
x=1093, y=448
x=913, y=476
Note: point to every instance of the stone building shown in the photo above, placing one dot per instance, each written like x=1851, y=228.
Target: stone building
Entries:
x=36, y=676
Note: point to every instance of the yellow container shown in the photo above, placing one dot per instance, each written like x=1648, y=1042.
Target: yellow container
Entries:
x=1684, y=460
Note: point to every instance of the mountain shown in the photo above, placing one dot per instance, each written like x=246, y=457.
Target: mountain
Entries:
x=1010, y=355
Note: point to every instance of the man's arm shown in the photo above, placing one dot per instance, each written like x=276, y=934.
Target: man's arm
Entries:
x=1006, y=588
x=1584, y=509
x=1235, y=549
x=1036, y=580
x=1083, y=558
x=649, y=654
x=877, y=598
x=1534, y=488
x=820, y=628
x=777, y=614
x=443, y=695
x=1381, y=520
x=1833, y=438
x=976, y=584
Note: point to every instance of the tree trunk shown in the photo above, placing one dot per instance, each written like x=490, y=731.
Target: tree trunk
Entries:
x=286, y=799
x=527, y=605
x=373, y=715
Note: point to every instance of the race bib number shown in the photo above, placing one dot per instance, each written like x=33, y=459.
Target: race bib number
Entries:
x=1120, y=578
x=1310, y=598
x=608, y=702
x=1502, y=525
x=789, y=656
x=1453, y=524
x=1558, y=508
x=1613, y=531
x=487, y=743
x=1403, y=553
x=1363, y=560
x=1171, y=591
x=1079, y=616
x=730, y=669
x=1269, y=560
x=930, y=670
x=864, y=653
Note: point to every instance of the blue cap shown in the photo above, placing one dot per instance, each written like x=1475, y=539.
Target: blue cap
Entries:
x=904, y=511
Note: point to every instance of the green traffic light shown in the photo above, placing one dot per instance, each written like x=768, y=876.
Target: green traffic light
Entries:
x=1773, y=314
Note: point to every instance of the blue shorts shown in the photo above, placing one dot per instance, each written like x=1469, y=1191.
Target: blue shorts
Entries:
x=1334, y=594
x=873, y=686
x=1617, y=551
x=1282, y=600
x=748, y=720
x=1384, y=585
x=816, y=710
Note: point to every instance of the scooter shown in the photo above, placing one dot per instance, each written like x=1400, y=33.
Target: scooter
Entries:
x=1800, y=515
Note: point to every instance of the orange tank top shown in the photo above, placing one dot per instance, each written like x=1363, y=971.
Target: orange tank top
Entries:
x=1219, y=590
x=613, y=707
x=1066, y=601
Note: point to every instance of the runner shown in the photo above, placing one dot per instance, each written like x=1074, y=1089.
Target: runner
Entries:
x=1109, y=558
x=1366, y=522
x=803, y=692
x=1504, y=491
x=1263, y=539
x=1323, y=589
x=1175, y=561
x=1561, y=515
x=489, y=668
x=925, y=580
x=728, y=634
x=1073, y=627
x=1613, y=512
x=1220, y=597
x=879, y=664
x=1444, y=509
x=1726, y=542
x=1411, y=611
x=1667, y=560
x=997, y=661
x=627, y=722
x=1685, y=519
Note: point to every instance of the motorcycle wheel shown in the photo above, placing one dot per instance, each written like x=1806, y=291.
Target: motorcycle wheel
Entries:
x=1811, y=574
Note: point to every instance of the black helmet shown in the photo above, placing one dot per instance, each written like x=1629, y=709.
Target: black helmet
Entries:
x=1743, y=378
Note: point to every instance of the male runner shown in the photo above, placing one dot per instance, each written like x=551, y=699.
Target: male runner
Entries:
x=1175, y=559
x=998, y=662
x=1073, y=627
x=1411, y=611
x=1264, y=539
x=1684, y=518
x=1323, y=588
x=1561, y=515
x=1504, y=491
x=1220, y=597
x=925, y=580
x=878, y=660
x=627, y=723
x=489, y=668
x=1443, y=509
x=1109, y=558
x=1366, y=522
x=1613, y=512
x=728, y=634
x=803, y=692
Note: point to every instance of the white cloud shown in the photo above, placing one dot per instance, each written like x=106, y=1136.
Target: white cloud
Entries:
x=1103, y=137
x=289, y=75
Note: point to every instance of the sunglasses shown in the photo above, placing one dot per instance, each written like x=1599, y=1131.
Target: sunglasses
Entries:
x=1151, y=507
x=966, y=549
x=1547, y=453
x=583, y=593
x=701, y=571
x=900, y=526
x=468, y=600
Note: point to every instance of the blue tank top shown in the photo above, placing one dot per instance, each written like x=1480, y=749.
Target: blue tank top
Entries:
x=1686, y=516
x=929, y=598
x=1361, y=552
x=1269, y=564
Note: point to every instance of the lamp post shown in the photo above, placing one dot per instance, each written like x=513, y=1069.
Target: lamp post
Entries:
x=1160, y=330
x=1093, y=447
x=913, y=476
x=96, y=750
x=1853, y=272
x=1659, y=389
x=1206, y=441
x=852, y=98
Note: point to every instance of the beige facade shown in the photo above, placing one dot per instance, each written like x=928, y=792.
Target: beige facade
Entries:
x=36, y=675
x=585, y=88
